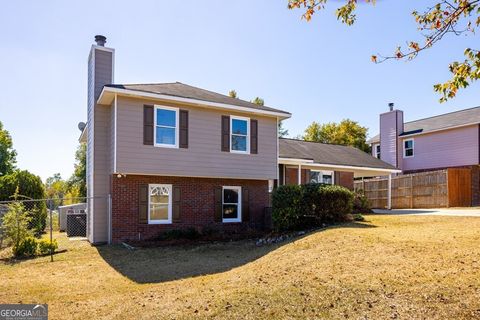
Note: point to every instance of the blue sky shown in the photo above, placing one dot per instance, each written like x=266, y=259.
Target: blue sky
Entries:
x=320, y=71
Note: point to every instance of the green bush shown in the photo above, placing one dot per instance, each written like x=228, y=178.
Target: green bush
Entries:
x=15, y=224
x=26, y=247
x=287, y=210
x=358, y=217
x=46, y=246
x=25, y=185
x=297, y=207
x=361, y=204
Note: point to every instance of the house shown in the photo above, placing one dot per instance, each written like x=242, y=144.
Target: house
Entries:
x=171, y=156
x=444, y=141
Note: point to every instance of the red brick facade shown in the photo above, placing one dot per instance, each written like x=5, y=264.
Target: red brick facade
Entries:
x=197, y=205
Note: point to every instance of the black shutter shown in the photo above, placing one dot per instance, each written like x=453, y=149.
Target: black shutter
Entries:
x=143, y=204
x=176, y=202
x=218, y=204
x=183, y=129
x=148, y=125
x=226, y=133
x=245, y=205
x=253, y=136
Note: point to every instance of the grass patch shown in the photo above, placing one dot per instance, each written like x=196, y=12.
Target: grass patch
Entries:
x=389, y=267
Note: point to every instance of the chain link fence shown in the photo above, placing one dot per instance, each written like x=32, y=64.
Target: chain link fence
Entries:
x=60, y=222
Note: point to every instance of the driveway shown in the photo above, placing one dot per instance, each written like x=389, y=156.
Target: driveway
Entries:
x=460, y=212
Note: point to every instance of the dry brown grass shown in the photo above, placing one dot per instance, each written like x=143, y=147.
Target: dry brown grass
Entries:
x=405, y=267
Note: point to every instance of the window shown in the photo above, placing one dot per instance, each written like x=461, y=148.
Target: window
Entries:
x=231, y=204
x=166, y=127
x=408, y=146
x=239, y=134
x=160, y=204
x=377, y=150
x=325, y=177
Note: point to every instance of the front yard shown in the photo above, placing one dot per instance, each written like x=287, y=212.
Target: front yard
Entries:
x=388, y=267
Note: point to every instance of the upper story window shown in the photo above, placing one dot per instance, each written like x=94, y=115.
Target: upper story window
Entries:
x=239, y=134
x=160, y=204
x=377, y=150
x=325, y=177
x=166, y=127
x=408, y=148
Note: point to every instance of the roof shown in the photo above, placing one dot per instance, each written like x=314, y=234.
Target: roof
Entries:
x=331, y=154
x=440, y=122
x=181, y=90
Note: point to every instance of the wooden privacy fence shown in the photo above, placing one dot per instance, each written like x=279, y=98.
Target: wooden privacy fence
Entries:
x=434, y=189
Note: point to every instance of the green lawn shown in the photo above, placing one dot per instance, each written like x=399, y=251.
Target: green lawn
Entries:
x=404, y=267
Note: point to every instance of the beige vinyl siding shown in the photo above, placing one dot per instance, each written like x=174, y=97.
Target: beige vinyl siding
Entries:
x=102, y=148
x=204, y=157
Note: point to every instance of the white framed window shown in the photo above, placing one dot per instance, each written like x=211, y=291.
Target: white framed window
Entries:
x=166, y=126
x=376, y=150
x=325, y=177
x=232, y=204
x=408, y=148
x=239, y=134
x=159, y=203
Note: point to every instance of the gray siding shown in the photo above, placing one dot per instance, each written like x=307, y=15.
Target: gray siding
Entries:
x=98, y=148
x=204, y=157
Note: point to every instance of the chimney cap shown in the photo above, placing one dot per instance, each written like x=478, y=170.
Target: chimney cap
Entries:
x=391, y=105
x=100, y=40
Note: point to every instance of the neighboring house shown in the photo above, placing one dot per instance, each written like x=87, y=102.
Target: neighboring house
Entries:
x=171, y=156
x=445, y=141
x=439, y=142
x=303, y=162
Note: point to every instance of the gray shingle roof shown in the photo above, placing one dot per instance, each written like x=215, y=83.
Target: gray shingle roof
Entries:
x=443, y=121
x=329, y=154
x=178, y=89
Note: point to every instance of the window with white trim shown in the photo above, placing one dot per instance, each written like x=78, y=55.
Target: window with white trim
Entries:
x=159, y=203
x=166, y=127
x=377, y=150
x=325, y=177
x=239, y=134
x=408, y=148
x=232, y=204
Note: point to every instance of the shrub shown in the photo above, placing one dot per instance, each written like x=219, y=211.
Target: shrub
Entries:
x=301, y=206
x=361, y=204
x=26, y=247
x=15, y=224
x=286, y=207
x=46, y=246
x=23, y=184
x=358, y=217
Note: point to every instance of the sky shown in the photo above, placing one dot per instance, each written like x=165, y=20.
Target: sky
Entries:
x=319, y=71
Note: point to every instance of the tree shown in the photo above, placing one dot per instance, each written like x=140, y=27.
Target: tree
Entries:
x=79, y=176
x=232, y=94
x=282, y=132
x=258, y=101
x=347, y=132
x=7, y=153
x=56, y=188
x=445, y=17
x=22, y=185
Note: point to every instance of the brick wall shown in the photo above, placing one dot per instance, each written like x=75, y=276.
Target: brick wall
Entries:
x=197, y=205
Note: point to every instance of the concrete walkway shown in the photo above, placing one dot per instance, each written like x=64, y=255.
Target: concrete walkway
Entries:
x=460, y=212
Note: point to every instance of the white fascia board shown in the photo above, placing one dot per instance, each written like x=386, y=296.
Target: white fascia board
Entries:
x=310, y=163
x=106, y=98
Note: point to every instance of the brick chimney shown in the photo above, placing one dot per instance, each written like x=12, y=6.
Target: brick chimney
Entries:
x=391, y=126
